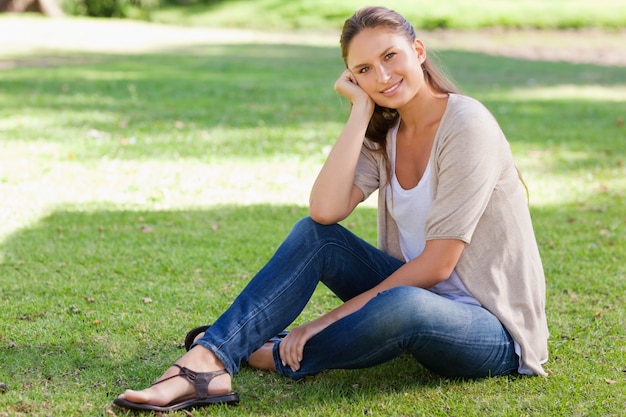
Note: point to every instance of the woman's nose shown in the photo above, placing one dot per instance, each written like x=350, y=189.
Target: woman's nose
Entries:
x=383, y=75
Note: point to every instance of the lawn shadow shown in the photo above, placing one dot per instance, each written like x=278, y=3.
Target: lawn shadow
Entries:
x=98, y=300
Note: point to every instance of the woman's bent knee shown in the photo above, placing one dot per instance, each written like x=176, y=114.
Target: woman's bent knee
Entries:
x=307, y=228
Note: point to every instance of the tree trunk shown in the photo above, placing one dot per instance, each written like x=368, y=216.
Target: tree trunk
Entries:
x=47, y=7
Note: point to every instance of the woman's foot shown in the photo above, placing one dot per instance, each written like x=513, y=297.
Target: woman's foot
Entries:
x=198, y=337
x=198, y=359
x=263, y=358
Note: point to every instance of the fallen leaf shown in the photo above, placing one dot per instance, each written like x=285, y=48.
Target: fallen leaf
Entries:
x=147, y=300
x=146, y=229
x=610, y=381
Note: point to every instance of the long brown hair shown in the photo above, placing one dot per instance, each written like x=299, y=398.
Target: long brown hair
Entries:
x=384, y=118
x=373, y=17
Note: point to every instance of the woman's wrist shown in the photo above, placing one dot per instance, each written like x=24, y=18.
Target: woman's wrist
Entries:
x=364, y=106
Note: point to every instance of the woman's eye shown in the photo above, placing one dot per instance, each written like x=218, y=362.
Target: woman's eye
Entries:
x=389, y=56
x=364, y=70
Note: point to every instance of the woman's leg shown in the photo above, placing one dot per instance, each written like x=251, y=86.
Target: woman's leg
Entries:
x=279, y=292
x=450, y=338
x=273, y=299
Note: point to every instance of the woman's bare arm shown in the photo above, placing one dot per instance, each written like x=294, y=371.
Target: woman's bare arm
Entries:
x=334, y=195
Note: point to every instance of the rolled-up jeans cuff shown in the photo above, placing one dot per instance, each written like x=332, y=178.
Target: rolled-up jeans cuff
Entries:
x=281, y=369
x=228, y=364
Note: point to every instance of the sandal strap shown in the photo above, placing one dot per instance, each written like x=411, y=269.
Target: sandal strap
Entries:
x=200, y=380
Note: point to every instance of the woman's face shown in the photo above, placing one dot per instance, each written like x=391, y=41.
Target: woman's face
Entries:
x=387, y=66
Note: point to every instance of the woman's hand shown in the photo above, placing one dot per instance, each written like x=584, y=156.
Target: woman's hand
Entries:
x=347, y=86
x=291, y=348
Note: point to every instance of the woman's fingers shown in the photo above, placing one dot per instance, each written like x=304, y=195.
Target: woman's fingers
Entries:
x=347, y=86
x=291, y=348
x=289, y=353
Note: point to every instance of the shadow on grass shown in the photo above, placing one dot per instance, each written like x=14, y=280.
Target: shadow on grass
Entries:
x=95, y=301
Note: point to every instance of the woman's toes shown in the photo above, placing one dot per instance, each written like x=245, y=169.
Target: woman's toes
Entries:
x=161, y=393
x=139, y=397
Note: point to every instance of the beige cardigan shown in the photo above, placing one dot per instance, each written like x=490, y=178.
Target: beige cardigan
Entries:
x=477, y=198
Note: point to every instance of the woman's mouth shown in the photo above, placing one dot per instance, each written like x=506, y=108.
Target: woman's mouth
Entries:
x=391, y=89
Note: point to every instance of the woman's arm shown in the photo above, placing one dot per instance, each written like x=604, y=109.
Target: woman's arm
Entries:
x=434, y=265
x=334, y=195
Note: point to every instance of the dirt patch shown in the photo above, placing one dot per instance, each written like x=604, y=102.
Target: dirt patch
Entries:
x=20, y=35
x=592, y=46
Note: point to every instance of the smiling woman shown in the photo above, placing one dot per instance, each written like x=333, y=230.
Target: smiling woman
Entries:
x=77, y=256
x=438, y=285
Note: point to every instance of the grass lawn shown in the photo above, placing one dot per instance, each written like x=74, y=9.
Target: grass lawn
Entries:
x=141, y=191
x=425, y=14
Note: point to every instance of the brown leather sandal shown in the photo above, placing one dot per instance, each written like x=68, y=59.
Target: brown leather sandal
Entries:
x=202, y=398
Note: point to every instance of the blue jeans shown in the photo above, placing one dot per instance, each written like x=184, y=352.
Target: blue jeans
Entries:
x=449, y=338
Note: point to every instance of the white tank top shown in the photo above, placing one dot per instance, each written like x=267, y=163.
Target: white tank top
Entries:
x=409, y=209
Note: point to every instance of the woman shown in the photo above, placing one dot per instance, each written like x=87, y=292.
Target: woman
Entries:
x=457, y=280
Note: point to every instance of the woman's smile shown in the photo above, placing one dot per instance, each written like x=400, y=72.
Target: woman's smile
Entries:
x=392, y=90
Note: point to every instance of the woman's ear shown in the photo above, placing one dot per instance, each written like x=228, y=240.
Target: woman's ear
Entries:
x=420, y=48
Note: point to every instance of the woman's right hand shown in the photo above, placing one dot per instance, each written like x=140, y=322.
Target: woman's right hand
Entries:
x=347, y=86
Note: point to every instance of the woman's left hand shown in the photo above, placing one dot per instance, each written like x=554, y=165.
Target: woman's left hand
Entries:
x=291, y=348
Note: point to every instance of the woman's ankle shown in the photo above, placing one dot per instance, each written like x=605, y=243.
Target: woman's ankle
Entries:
x=263, y=358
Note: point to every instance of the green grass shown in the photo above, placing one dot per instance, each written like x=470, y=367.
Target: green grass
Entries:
x=140, y=192
x=427, y=14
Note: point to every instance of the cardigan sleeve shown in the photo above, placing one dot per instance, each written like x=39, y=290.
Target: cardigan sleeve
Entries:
x=468, y=160
x=367, y=176
x=478, y=198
